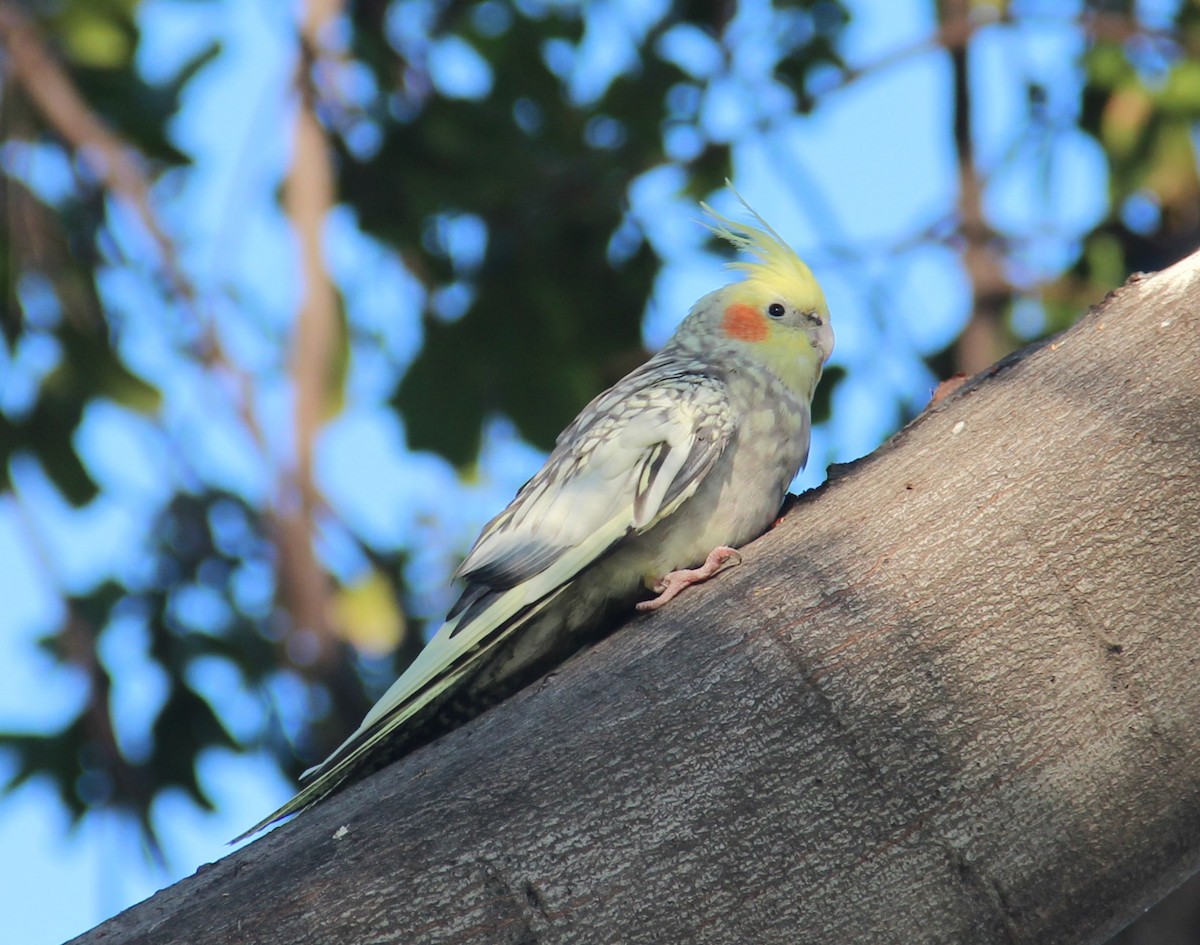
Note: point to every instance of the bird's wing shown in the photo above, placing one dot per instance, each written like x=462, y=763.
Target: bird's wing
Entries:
x=629, y=460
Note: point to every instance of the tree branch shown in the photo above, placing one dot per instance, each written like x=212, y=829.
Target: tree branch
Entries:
x=54, y=94
x=952, y=697
x=982, y=340
x=308, y=197
x=116, y=163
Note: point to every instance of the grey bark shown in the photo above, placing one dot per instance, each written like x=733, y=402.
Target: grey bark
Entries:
x=954, y=696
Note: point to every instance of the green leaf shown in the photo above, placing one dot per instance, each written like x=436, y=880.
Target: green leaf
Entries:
x=822, y=402
x=185, y=727
x=48, y=432
x=1181, y=93
x=97, y=371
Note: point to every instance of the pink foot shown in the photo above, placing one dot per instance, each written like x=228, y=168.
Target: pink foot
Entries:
x=671, y=584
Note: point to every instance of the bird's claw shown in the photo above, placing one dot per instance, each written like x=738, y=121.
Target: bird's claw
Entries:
x=669, y=585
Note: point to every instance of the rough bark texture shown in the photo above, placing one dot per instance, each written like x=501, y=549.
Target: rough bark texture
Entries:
x=953, y=697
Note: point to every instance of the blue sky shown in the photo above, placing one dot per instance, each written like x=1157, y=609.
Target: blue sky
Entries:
x=865, y=172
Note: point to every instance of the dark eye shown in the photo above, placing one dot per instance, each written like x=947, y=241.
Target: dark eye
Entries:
x=776, y=310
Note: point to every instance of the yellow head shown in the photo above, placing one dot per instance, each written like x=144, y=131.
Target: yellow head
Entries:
x=778, y=311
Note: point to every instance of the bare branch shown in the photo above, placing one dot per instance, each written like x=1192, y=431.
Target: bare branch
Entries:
x=308, y=195
x=983, y=340
x=54, y=94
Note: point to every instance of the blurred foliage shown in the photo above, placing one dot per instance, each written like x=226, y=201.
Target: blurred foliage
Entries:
x=1140, y=101
x=203, y=555
x=550, y=186
x=548, y=314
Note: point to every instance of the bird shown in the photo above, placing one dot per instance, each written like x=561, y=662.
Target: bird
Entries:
x=651, y=489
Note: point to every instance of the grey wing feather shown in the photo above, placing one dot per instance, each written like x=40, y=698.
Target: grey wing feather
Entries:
x=650, y=439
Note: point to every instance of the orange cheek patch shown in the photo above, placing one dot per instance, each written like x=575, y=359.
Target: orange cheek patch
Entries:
x=744, y=322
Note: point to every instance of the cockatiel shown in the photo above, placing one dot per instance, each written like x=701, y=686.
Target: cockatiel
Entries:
x=652, y=486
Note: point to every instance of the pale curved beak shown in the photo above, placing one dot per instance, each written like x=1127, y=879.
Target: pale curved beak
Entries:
x=824, y=339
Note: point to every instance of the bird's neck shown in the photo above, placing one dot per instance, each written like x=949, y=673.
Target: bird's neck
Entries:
x=795, y=363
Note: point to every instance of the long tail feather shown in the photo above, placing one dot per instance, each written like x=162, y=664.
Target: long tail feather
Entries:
x=352, y=758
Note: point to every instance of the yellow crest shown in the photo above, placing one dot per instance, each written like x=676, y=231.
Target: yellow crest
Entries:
x=776, y=270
